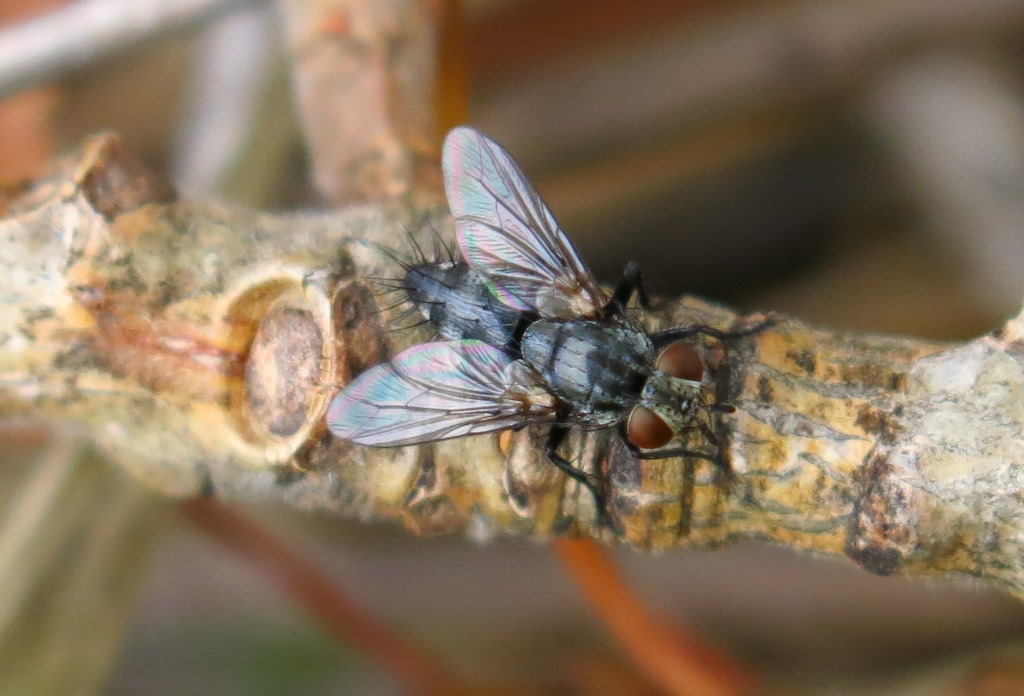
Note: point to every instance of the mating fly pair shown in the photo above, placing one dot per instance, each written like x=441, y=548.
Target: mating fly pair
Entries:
x=530, y=337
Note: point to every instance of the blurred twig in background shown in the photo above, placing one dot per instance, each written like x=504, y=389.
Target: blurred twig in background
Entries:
x=74, y=540
x=70, y=39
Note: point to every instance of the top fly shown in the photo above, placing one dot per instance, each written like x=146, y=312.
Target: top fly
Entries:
x=530, y=335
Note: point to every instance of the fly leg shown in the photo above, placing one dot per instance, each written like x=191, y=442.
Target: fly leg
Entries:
x=671, y=452
x=669, y=336
x=515, y=346
x=556, y=437
x=632, y=281
x=674, y=452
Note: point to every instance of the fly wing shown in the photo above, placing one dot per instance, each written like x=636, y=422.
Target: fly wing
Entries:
x=507, y=233
x=438, y=391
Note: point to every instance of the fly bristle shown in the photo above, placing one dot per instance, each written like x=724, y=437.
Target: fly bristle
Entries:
x=390, y=253
x=435, y=251
x=388, y=285
x=415, y=249
x=395, y=328
x=400, y=322
x=410, y=311
x=413, y=254
x=390, y=297
x=394, y=306
x=392, y=293
x=442, y=249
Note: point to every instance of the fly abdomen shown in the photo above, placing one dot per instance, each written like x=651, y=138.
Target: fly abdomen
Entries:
x=593, y=366
x=457, y=302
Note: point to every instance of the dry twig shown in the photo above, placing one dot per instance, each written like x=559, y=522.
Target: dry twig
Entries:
x=202, y=344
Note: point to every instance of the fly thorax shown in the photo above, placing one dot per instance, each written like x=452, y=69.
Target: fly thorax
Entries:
x=428, y=285
x=673, y=399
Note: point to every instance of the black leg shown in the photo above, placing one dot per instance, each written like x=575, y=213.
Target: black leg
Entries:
x=668, y=336
x=632, y=281
x=555, y=438
x=515, y=346
x=705, y=430
x=674, y=452
x=724, y=469
x=662, y=453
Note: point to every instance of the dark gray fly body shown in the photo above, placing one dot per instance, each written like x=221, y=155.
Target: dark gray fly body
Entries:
x=597, y=367
x=455, y=300
x=529, y=336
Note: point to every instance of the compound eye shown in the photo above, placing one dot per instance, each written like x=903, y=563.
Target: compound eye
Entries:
x=680, y=360
x=646, y=429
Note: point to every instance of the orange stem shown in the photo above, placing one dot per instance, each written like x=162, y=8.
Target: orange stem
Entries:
x=680, y=663
x=323, y=601
x=27, y=118
x=452, y=80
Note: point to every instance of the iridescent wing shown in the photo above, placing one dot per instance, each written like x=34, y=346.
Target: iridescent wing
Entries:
x=507, y=233
x=438, y=391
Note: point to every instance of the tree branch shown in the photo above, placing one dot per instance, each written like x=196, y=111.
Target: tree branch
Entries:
x=56, y=43
x=201, y=345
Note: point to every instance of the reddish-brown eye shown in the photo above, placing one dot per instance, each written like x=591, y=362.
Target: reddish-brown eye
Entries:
x=680, y=360
x=646, y=430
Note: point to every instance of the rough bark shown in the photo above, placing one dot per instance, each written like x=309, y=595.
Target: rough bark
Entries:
x=200, y=345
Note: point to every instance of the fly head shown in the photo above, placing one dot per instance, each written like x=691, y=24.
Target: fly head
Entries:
x=670, y=400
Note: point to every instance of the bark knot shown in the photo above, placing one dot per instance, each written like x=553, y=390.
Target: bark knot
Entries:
x=882, y=529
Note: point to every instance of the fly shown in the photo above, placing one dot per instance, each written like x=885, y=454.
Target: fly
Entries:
x=530, y=336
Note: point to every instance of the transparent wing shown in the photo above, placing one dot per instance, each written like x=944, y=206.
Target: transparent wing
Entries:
x=507, y=233
x=438, y=391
